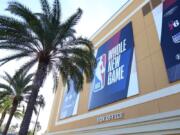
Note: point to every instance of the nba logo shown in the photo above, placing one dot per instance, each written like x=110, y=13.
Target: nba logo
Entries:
x=99, y=81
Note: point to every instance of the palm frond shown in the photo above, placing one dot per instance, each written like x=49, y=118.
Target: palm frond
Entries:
x=10, y=34
x=56, y=12
x=6, y=46
x=40, y=101
x=15, y=26
x=20, y=44
x=64, y=75
x=23, y=12
x=19, y=41
x=5, y=103
x=27, y=66
x=13, y=56
x=6, y=77
x=66, y=29
x=22, y=80
x=69, y=70
x=77, y=76
x=73, y=20
x=4, y=93
x=28, y=88
x=55, y=80
x=82, y=42
x=7, y=88
x=26, y=80
x=45, y=7
x=19, y=114
x=62, y=34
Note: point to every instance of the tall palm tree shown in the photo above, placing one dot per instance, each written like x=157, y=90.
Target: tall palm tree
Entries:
x=16, y=88
x=50, y=43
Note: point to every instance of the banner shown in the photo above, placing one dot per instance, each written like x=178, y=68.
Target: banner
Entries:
x=170, y=38
x=112, y=74
x=70, y=102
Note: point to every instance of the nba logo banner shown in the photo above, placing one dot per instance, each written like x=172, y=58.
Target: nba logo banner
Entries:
x=170, y=38
x=113, y=71
x=99, y=81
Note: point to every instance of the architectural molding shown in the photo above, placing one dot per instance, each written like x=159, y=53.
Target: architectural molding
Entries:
x=161, y=123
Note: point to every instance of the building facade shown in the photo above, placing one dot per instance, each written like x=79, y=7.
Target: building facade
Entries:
x=136, y=88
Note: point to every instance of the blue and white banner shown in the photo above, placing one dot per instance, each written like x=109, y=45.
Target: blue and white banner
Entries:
x=69, y=103
x=114, y=68
x=170, y=38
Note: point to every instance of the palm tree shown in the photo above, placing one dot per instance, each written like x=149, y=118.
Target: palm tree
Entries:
x=5, y=107
x=49, y=43
x=5, y=104
x=16, y=88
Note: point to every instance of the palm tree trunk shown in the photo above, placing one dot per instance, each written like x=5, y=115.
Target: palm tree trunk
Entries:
x=13, y=110
x=36, y=120
x=38, y=81
x=2, y=117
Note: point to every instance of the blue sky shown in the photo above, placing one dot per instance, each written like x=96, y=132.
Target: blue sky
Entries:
x=96, y=13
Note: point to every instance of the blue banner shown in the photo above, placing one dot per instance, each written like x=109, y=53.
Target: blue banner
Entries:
x=170, y=38
x=69, y=103
x=114, y=59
